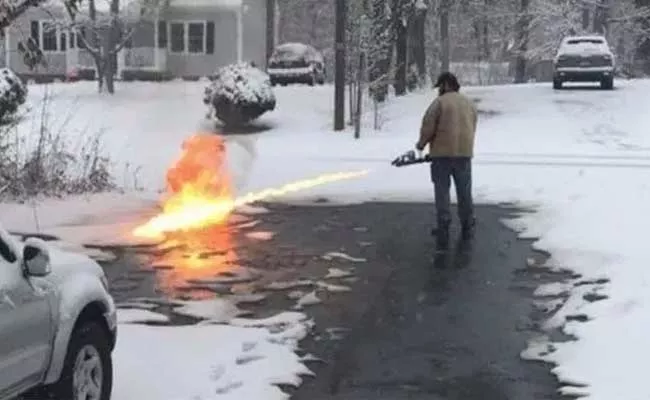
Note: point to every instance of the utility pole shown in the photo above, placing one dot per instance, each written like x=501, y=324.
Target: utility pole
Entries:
x=339, y=66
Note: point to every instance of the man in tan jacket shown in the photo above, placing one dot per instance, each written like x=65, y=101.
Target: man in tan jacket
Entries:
x=448, y=128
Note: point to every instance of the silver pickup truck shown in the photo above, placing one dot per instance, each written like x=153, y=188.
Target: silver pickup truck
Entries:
x=58, y=323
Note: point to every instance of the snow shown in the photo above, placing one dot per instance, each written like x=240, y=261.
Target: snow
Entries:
x=208, y=362
x=578, y=159
x=229, y=4
x=12, y=91
x=295, y=50
x=241, y=84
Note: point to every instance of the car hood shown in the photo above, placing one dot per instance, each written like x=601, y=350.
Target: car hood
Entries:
x=66, y=263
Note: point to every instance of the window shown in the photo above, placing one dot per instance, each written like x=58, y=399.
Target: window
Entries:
x=196, y=37
x=49, y=37
x=177, y=37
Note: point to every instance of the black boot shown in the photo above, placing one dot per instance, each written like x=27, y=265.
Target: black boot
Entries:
x=467, y=229
x=442, y=237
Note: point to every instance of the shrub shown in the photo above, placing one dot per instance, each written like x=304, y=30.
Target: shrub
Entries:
x=47, y=164
x=13, y=94
x=239, y=93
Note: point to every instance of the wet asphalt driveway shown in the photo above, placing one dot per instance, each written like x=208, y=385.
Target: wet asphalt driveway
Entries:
x=392, y=320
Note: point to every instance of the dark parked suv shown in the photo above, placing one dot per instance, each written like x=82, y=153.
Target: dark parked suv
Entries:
x=584, y=59
x=296, y=63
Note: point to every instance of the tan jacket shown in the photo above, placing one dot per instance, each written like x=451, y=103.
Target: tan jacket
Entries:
x=449, y=126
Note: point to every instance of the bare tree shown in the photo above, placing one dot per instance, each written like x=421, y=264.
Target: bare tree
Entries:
x=104, y=33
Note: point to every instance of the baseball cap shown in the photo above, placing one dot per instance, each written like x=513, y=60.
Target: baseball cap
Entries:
x=447, y=77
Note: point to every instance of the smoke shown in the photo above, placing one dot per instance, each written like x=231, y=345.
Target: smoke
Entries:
x=241, y=153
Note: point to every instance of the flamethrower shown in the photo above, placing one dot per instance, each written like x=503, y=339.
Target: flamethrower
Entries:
x=410, y=158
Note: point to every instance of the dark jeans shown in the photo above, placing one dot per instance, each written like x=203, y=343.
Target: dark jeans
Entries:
x=443, y=169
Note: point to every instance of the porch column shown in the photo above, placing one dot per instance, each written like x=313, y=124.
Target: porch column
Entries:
x=121, y=62
x=159, y=53
x=156, y=53
x=8, y=47
x=71, y=53
x=240, y=33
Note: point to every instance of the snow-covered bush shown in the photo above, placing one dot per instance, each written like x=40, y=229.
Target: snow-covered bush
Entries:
x=239, y=93
x=13, y=94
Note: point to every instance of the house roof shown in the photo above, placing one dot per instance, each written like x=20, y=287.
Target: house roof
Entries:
x=230, y=4
x=103, y=6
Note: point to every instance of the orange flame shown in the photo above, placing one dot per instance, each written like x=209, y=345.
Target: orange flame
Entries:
x=201, y=196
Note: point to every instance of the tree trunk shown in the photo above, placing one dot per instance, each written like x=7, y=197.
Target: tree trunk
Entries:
x=486, y=50
x=643, y=47
x=401, y=47
x=418, y=43
x=601, y=16
x=445, y=51
x=522, y=32
x=383, y=45
x=585, y=18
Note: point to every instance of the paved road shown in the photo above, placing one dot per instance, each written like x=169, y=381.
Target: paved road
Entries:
x=413, y=326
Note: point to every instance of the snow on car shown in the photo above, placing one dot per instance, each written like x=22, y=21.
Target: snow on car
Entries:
x=296, y=63
x=584, y=59
x=58, y=323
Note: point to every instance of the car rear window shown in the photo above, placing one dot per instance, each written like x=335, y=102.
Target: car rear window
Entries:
x=578, y=41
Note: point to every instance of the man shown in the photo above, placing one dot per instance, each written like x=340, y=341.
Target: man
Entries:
x=448, y=128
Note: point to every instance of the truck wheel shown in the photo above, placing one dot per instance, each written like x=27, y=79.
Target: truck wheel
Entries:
x=88, y=370
x=557, y=84
x=607, y=84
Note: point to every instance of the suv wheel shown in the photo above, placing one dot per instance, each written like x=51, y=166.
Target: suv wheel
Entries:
x=607, y=84
x=557, y=84
x=88, y=370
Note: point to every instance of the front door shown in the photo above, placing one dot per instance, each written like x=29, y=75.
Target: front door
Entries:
x=26, y=327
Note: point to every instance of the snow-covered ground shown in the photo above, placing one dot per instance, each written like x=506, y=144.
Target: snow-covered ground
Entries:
x=580, y=159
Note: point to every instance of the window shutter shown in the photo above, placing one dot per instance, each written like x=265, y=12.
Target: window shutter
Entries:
x=209, y=37
x=162, y=34
x=36, y=33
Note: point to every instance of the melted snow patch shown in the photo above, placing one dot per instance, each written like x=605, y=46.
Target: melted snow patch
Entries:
x=336, y=273
x=308, y=299
x=260, y=235
x=131, y=316
x=342, y=256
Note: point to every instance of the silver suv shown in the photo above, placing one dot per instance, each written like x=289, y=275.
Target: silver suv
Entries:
x=584, y=59
x=58, y=323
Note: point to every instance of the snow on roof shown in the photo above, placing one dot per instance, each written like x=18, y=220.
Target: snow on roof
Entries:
x=208, y=3
x=103, y=6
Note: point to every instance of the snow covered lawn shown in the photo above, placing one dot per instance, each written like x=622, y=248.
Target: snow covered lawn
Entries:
x=580, y=159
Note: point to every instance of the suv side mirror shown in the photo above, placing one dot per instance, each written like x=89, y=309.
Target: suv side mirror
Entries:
x=36, y=258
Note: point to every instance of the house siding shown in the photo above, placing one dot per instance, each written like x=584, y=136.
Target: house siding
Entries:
x=143, y=54
x=20, y=30
x=254, y=32
x=225, y=52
